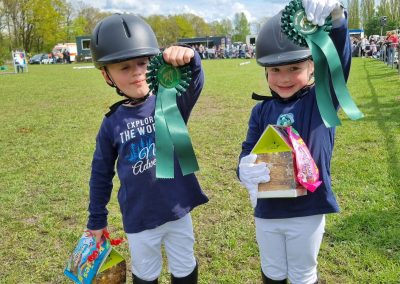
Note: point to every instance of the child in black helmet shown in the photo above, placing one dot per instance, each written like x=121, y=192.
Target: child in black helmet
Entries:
x=154, y=211
x=289, y=231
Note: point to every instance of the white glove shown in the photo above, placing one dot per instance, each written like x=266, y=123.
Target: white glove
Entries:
x=318, y=10
x=251, y=174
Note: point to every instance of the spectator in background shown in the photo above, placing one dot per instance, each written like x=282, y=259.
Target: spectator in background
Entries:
x=354, y=48
x=66, y=56
x=201, y=51
x=19, y=62
x=373, y=49
x=386, y=48
x=364, y=46
x=54, y=58
x=227, y=51
x=393, y=41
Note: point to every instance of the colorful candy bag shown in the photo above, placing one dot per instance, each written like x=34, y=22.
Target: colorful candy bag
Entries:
x=88, y=257
x=306, y=170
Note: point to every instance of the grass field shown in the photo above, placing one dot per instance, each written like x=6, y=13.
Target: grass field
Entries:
x=49, y=119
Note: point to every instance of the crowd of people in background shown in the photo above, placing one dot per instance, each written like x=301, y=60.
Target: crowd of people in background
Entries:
x=384, y=48
x=60, y=57
x=236, y=50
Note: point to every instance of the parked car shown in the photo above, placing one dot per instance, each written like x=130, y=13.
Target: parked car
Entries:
x=46, y=59
x=37, y=58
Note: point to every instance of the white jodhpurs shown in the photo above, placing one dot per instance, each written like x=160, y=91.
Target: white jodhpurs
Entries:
x=178, y=239
x=289, y=247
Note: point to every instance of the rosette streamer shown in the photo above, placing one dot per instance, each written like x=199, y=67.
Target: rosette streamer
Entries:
x=167, y=81
x=326, y=61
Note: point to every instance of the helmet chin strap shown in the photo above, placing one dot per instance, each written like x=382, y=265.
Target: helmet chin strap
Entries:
x=131, y=101
x=113, y=84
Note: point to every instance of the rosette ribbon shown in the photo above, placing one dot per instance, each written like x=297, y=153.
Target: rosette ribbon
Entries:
x=168, y=82
x=326, y=61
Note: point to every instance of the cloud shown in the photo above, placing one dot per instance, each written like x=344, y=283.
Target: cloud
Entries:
x=130, y=6
x=238, y=8
x=209, y=10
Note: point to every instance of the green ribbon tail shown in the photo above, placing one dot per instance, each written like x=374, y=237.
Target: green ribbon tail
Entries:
x=164, y=146
x=322, y=40
x=178, y=131
x=324, y=98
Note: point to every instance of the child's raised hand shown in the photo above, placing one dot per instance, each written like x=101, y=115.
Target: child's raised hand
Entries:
x=178, y=55
x=318, y=10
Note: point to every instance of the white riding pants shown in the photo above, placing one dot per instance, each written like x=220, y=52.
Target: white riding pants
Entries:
x=289, y=247
x=178, y=239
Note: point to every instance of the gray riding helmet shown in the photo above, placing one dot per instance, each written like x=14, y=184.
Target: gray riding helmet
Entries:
x=121, y=37
x=274, y=48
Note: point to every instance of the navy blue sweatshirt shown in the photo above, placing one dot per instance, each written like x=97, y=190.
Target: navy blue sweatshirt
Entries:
x=127, y=139
x=304, y=114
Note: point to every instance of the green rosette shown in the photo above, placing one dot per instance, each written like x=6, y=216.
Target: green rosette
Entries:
x=326, y=62
x=168, y=82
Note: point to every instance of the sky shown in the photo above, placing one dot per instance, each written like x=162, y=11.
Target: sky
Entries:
x=209, y=10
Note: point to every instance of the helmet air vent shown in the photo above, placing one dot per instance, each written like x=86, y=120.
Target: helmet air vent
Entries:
x=127, y=32
x=97, y=34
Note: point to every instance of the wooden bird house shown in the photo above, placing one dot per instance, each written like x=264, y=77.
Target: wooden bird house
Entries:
x=112, y=271
x=274, y=148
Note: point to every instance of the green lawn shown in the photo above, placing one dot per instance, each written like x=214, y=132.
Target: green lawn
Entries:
x=49, y=120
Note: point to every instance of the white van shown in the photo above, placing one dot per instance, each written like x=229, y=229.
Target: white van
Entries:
x=61, y=47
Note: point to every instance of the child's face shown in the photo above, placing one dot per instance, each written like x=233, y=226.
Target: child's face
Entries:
x=129, y=76
x=286, y=80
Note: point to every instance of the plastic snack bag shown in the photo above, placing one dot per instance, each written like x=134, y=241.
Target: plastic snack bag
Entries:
x=306, y=170
x=90, y=259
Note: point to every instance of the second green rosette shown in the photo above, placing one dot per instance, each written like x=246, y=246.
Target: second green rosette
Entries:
x=326, y=62
x=167, y=81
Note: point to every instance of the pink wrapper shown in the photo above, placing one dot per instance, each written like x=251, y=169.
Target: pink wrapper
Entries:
x=306, y=170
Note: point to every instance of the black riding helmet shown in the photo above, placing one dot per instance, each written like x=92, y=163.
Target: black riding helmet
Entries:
x=121, y=37
x=274, y=48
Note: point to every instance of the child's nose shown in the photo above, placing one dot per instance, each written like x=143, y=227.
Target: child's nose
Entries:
x=285, y=77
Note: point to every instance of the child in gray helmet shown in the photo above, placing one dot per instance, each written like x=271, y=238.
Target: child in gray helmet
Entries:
x=155, y=212
x=289, y=231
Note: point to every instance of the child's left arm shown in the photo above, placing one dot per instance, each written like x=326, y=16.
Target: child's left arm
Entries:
x=180, y=56
x=317, y=11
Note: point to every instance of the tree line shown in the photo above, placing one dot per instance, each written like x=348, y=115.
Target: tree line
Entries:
x=37, y=25
x=365, y=14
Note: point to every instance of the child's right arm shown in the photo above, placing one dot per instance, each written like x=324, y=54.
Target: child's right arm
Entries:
x=101, y=185
x=249, y=173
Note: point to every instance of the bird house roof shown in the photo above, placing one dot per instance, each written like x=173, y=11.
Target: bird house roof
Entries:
x=274, y=139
